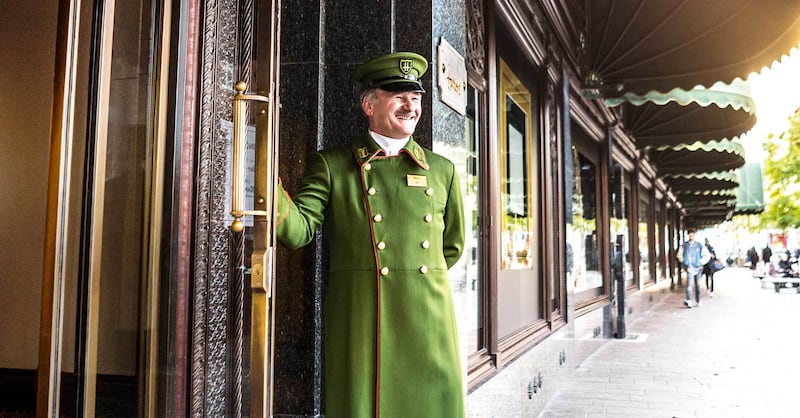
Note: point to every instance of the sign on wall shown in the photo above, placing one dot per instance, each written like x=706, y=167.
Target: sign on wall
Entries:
x=452, y=77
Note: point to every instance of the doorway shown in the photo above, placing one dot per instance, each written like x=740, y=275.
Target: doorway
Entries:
x=79, y=284
x=100, y=284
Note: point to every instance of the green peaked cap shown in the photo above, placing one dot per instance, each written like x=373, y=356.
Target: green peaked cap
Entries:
x=399, y=71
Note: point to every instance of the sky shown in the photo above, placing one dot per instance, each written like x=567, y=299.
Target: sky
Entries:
x=776, y=91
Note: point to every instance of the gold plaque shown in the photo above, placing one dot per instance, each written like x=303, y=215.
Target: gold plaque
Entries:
x=414, y=180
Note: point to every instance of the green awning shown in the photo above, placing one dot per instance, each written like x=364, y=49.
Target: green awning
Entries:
x=644, y=45
x=700, y=157
x=723, y=111
x=691, y=183
x=750, y=194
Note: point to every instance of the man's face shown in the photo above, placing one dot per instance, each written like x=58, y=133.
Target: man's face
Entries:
x=393, y=114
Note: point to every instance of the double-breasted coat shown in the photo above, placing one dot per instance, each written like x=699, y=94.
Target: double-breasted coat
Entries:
x=394, y=226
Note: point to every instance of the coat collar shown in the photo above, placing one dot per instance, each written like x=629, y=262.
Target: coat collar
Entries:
x=365, y=149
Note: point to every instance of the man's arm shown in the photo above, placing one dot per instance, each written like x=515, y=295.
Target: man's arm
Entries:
x=300, y=215
x=453, y=235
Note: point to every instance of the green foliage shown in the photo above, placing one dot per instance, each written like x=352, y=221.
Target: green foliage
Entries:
x=749, y=223
x=782, y=177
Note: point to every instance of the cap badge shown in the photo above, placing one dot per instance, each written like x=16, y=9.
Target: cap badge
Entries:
x=405, y=66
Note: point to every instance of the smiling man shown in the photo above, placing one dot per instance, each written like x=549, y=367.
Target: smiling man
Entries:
x=393, y=218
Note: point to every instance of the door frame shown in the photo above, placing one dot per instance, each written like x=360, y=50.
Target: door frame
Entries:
x=75, y=16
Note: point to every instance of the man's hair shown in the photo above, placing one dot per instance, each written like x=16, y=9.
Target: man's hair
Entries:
x=369, y=94
x=690, y=231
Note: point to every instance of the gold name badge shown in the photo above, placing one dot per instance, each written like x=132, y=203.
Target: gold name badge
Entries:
x=414, y=180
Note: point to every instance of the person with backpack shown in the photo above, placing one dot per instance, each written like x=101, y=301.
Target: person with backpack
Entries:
x=695, y=256
x=710, y=268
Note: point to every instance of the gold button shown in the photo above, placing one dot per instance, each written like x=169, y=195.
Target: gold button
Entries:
x=377, y=217
x=367, y=166
x=426, y=244
x=371, y=191
x=429, y=192
x=423, y=269
x=381, y=245
x=384, y=271
x=428, y=218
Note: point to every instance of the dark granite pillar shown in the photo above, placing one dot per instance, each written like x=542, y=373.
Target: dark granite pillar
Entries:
x=322, y=42
x=298, y=294
x=448, y=130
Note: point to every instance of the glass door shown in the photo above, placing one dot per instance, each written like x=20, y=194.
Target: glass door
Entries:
x=117, y=323
x=99, y=354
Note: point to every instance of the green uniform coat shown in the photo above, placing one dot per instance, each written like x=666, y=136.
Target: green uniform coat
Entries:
x=395, y=226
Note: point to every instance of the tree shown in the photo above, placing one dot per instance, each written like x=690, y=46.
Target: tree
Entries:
x=782, y=177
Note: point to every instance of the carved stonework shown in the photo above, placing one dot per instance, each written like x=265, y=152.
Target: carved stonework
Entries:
x=209, y=384
x=577, y=12
x=554, y=58
x=476, y=60
x=552, y=120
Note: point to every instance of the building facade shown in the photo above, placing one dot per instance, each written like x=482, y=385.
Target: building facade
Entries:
x=134, y=290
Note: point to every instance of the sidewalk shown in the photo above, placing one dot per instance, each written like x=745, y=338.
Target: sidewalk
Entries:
x=737, y=355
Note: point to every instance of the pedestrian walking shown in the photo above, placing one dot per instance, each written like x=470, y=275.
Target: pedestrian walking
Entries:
x=695, y=256
x=710, y=268
x=394, y=221
x=752, y=258
x=766, y=256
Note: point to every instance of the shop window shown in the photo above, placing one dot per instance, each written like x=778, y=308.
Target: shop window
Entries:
x=518, y=281
x=619, y=199
x=664, y=242
x=583, y=246
x=659, y=241
x=630, y=277
x=645, y=275
x=507, y=294
x=473, y=324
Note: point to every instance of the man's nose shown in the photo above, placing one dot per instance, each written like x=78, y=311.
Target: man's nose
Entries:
x=406, y=102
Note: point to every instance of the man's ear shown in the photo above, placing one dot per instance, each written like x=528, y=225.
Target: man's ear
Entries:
x=366, y=106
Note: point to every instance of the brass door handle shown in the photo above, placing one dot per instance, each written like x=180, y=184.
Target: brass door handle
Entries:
x=239, y=157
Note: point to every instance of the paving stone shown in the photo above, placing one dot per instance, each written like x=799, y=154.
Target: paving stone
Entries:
x=735, y=356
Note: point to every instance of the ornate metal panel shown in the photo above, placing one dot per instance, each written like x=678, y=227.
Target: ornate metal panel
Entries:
x=210, y=380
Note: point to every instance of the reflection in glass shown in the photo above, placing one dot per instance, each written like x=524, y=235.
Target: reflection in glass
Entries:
x=619, y=200
x=666, y=243
x=472, y=322
x=644, y=247
x=122, y=350
x=583, y=262
x=629, y=276
x=519, y=284
x=517, y=222
x=659, y=237
x=620, y=227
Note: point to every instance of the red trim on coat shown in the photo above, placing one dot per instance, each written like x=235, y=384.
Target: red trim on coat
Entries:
x=377, y=281
x=421, y=164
